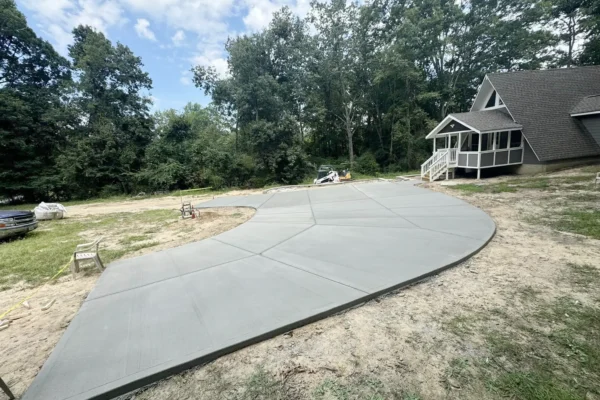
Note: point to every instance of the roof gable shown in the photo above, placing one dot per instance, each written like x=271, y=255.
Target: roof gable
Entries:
x=541, y=101
x=488, y=120
x=588, y=105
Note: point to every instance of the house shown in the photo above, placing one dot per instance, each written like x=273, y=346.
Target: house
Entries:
x=530, y=121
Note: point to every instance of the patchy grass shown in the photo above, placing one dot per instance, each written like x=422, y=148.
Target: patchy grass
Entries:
x=584, y=275
x=468, y=188
x=41, y=253
x=261, y=385
x=591, y=169
x=461, y=324
x=133, y=239
x=578, y=182
x=583, y=222
x=361, y=389
x=550, y=353
x=528, y=293
x=457, y=374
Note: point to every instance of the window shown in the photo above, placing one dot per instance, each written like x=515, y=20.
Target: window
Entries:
x=503, y=140
x=492, y=101
x=516, y=137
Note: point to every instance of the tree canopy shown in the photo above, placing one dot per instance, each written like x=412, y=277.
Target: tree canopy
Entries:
x=354, y=85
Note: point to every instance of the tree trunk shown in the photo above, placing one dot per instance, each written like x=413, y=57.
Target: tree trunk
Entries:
x=351, y=149
x=236, y=134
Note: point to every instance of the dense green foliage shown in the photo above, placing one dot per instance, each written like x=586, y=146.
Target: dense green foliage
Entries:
x=358, y=86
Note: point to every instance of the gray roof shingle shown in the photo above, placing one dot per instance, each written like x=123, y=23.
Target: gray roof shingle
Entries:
x=541, y=101
x=587, y=104
x=487, y=120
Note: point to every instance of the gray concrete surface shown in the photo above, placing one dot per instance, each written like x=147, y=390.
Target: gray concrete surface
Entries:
x=304, y=255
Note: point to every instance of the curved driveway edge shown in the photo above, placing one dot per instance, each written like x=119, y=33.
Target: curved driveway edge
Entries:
x=304, y=255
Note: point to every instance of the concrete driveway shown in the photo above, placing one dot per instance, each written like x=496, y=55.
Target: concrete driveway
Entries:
x=304, y=255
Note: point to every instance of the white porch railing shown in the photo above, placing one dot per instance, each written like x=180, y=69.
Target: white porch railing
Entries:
x=452, y=154
x=435, y=165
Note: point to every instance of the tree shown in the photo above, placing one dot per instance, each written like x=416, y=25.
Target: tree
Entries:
x=33, y=118
x=570, y=20
x=106, y=147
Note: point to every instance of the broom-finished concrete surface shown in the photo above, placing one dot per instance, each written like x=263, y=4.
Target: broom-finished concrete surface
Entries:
x=304, y=255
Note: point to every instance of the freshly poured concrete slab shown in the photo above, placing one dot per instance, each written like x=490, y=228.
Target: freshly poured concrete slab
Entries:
x=376, y=256
x=304, y=255
x=336, y=194
x=429, y=199
x=380, y=190
x=351, y=209
x=383, y=222
x=287, y=199
x=459, y=210
x=473, y=227
x=301, y=217
x=258, y=237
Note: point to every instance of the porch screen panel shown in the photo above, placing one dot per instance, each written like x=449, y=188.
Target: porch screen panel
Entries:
x=484, y=141
x=501, y=157
x=487, y=159
x=515, y=139
x=462, y=160
x=474, y=142
x=472, y=161
x=516, y=156
x=503, y=141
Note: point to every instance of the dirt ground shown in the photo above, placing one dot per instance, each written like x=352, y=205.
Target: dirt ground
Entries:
x=411, y=344
x=151, y=203
x=28, y=341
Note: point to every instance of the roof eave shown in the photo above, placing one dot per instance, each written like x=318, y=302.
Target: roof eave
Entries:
x=444, y=122
x=582, y=114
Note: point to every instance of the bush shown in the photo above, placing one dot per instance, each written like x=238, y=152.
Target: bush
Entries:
x=216, y=182
x=367, y=164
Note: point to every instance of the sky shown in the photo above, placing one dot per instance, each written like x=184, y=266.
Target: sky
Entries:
x=170, y=36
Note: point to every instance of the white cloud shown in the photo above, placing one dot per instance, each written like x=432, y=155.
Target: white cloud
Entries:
x=205, y=23
x=211, y=56
x=178, y=38
x=205, y=17
x=59, y=17
x=260, y=12
x=186, y=77
x=142, y=27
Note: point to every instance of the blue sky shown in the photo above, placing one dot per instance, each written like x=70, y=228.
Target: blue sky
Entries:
x=170, y=35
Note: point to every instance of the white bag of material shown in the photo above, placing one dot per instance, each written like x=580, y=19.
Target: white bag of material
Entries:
x=45, y=211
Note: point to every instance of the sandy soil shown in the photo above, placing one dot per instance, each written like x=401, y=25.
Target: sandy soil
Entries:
x=401, y=339
x=33, y=333
x=152, y=203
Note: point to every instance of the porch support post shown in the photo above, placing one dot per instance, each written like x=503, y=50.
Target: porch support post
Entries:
x=434, y=141
x=479, y=158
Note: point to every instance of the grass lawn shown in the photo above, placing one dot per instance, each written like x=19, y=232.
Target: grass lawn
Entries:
x=41, y=253
x=535, y=355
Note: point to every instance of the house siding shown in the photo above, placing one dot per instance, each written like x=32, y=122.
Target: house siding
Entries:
x=592, y=124
x=529, y=156
x=454, y=126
